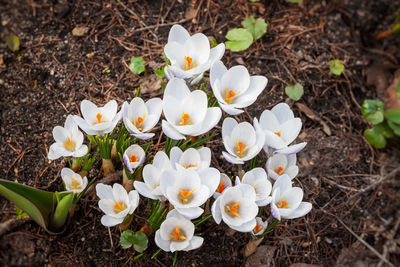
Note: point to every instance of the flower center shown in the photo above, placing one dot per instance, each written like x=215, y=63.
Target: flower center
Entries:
x=257, y=229
x=188, y=63
x=99, y=118
x=233, y=209
x=184, y=195
x=133, y=158
x=185, y=119
x=190, y=165
x=278, y=133
x=241, y=149
x=279, y=170
x=177, y=235
x=118, y=207
x=220, y=187
x=283, y=204
x=229, y=94
x=75, y=184
x=139, y=122
x=69, y=144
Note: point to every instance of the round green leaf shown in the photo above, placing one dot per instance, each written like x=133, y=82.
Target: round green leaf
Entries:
x=395, y=127
x=393, y=115
x=376, y=139
x=336, y=66
x=372, y=110
x=126, y=239
x=239, y=39
x=257, y=27
x=137, y=65
x=295, y=92
x=13, y=42
x=141, y=242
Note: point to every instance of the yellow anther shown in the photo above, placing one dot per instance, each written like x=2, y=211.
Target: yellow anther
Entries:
x=177, y=234
x=189, y=166
x=283, y=204
x=234, y=209
x=229, y=94
x=139, y=122
x=185, y=119
x=241, y=148
x=69, y=144
x=278, y=133
x=185, y=194
x=98, y=117
x=188, y=63
x=220, y=187
x=118, y=207
x=75, y=184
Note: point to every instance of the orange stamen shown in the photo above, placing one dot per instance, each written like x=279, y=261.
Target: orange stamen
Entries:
x=98, y=117
x=133, y=158
x=257, y=229
x=241, y=148
x=234, y=209
x=188, y=63
x=220, y=187
x=278, y=133
x=139, y=123
x=177, y=234
x=185, y=119
x=229, y=94
x=283, y=204
x=279, y=170
x=69, y=144
x=118, y=207
x=74, y=184
x=190, y=165
x=185, y=194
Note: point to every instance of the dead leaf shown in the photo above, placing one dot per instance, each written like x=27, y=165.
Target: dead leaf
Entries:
x=312, y=115
x=151, y=84
x=80, y=31
x=304, y=265
x=356, y=257
x=378, y=75
x=251, y=247
x=391, y=98
x=264, y=257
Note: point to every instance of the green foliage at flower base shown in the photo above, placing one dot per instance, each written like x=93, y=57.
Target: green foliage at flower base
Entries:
x=138, y=240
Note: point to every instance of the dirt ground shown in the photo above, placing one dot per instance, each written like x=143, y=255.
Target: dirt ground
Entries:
x=354, y=189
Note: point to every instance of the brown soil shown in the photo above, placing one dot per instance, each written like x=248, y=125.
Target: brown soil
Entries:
x=54, y=71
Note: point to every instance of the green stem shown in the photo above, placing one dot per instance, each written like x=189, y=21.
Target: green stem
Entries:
x=156, y=253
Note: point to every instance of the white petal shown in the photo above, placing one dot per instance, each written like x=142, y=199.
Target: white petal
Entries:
x=269, y=121
x=109, y=110
x=181, y=245
x=212, y=118
x=236, y=79
x=191, y=213
x=82, y=151
x=283, y=183
x=282, y=112
x=275, y=211
x=264, y=202
x=170, y=131
x=120, y=194
x=60, y=134
x=216, y=72
x=292, y=171
x=227, y=126
x=53, y=154
x=88, y=110
x=197, y=79
x=144, y=190
x=110, y=221
x=175, y=53
x=84, y=125
x=133, y=200
x=290, y=130
x=257, y=85
x=244, y=132
x=210, y=177
x=195, y=243
x=232, y=159
x=274, y=141
x=216, y=53
x=230, y=109
x=292, y=149
x=178, y=34
x=161, y=243
x=144, y=136
x=198, y=48
x=104, y=191
x=245, y=227
x=302, y=209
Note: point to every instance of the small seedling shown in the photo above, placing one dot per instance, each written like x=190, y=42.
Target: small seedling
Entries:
x=239, y=39
x=295, y=92
x=336, y=66
x=373, y=110
x=137, y=65
x=13, y=42
x=257, y=27
x=138, y=240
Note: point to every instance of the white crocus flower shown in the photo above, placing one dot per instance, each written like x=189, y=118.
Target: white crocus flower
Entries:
x=116, y=203
x=287, y=200
x=258, y=179
x=98, y=120
x=191, y=158
x=73, y=181
x=187, y=189
x=190, y=56
x=140, y=117
x=150, y=188
x=69, y=141
x=280, y=128
x=280, y=164
x=133, y=157
x=260, y=228
x=224, y=183
x=237, y=208
x=242, y=141
x=235, y=88
x=187, y=112
x=177, y=233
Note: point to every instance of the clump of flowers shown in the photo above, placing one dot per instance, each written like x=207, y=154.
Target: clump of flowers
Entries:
x=179, y=178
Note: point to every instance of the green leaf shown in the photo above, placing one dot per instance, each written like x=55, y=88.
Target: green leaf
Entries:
x=372, y=110
x=139, y=240
x=163, y=55
x=393, y=115
x=376, y=139
x=36, y=203
x=295, y=92
x=13, y=42
x=294, y=1
x=160, y=73
x=253, y=1
x=62, y=210
x=239, y=39
x=137, y=65
x=257, y=27
x=336, y=66
x=398, y=89
x=395, y=127
x=396, y=29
